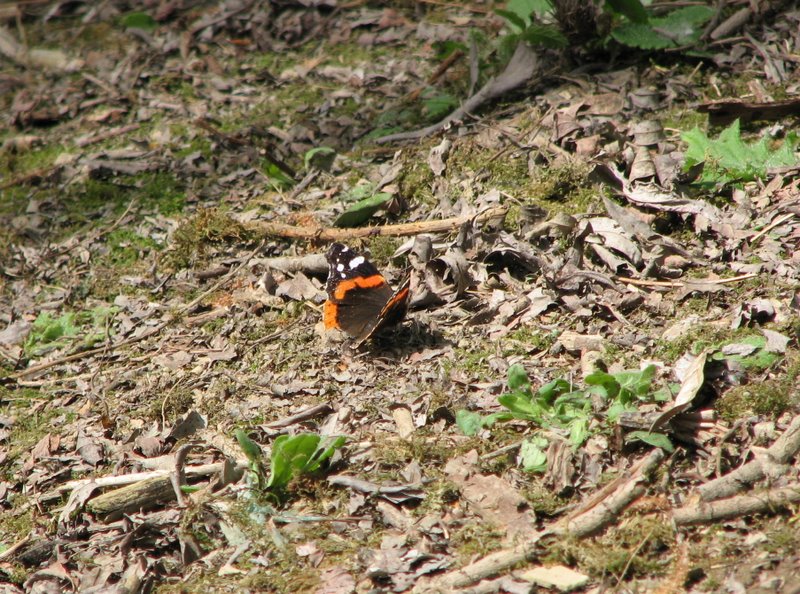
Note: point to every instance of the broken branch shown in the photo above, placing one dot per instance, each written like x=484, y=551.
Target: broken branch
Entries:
x=734, y=507
x=590, y=518
x=402, y=229
x=781, y=452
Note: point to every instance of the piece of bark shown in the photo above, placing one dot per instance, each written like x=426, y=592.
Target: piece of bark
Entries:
x=140, y=496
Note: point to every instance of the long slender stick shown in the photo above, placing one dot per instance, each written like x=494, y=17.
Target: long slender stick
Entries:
x=332, y=234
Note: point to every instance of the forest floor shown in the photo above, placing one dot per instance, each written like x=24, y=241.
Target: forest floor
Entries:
x=596, y=385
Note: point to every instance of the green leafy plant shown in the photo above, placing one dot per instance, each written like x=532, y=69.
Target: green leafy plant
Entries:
x=138, y=20
x=436, y=105
x=677, y=28
x=728, y=158
x=750, y=353
x=558, y=406
x=526, y=22
x=367, y=203
x=277, y=178
x=49, y=332
x=320, y=158
x=632, y=24
x=292, y=456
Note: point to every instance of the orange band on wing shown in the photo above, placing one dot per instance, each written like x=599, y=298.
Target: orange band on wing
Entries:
x=367, y=282
x=330, y=314
x=400, y=297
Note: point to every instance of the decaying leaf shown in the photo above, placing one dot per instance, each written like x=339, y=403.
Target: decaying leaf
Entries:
x=692, y=381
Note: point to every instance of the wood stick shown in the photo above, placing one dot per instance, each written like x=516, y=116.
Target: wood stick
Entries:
x=735, y=507
x=777, y=222
x=681, y=285
x=135, y=477
x=402, y=229
x=119, y=131
x=443, y=67
x=588, y=520
x=781, y=452
x=303, y=415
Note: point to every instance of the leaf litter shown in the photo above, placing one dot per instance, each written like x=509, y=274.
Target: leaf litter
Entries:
x=158, y=347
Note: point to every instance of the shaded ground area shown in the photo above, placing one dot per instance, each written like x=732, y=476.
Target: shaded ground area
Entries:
x=596, y=385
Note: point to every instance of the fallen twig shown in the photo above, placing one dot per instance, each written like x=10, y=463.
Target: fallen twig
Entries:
x=303, y=415
x=135, y=477
x=777, y=222
x=308, y=264
x=600, y=511
x=30, y=176
x=102, y=136
x=443, y=67
x=681, y=285
x=588, y=519
x=734, y=507
x=781, y=452
x=402, y=229
x=520, y=69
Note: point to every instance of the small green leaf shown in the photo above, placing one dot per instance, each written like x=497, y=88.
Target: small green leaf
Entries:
x=437, y=105
x=729, y=159
x=288, y=454
x=606, y=384
x=637, y=382
x=679, y=27
x=515, y=21
x=579, y=430
x=469, y=422
x=532, y=455
x=321, y=157
x=325, y=449
x=526, y=8
x=276, y=177
x=521, y=406
x=552, y=390
x=518, y=378
x=658, y=440
x=683, y=25
x=640, y=35
x=616, y=409
x=138, y=20
x=299, y=454
x=48, y=332
x=633, y=9
x=250, y=448
x=544, y=35
x=362, y=210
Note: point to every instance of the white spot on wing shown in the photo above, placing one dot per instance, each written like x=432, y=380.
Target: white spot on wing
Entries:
x=356, y=262
x=340, y=267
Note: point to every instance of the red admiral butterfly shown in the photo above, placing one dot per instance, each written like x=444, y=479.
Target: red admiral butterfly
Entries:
x=360, y=301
